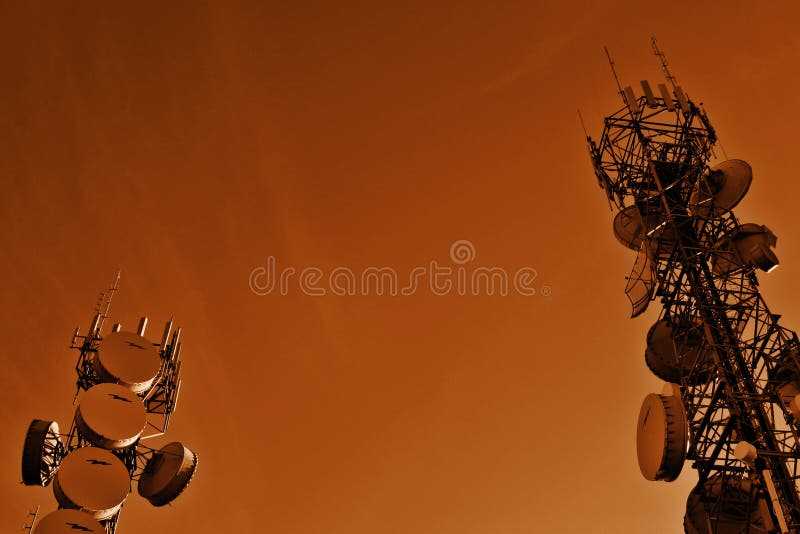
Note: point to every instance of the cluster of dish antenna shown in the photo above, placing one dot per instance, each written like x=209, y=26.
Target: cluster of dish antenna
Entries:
x=128, y=388
x=725, y=185
x=731, y=399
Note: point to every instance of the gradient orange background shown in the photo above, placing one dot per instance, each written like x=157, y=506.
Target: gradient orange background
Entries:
x=184, y=143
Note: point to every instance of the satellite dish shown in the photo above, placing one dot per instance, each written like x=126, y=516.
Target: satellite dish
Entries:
x=42, y=453
x=786, y=379
x=722, y=189
x=167, y=473
x=67, y=521
x=110, y=416
x=747, y=246
x=129, y=359
x=677, y=352
x=629, y=229
x=735, y=505
x=92, y=480
x=661, y=437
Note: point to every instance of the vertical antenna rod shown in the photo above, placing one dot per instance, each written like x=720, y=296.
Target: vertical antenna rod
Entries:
x=111, y=291
x=616, y=78
x=664, y=64
x=583, y=125
x=33, y=515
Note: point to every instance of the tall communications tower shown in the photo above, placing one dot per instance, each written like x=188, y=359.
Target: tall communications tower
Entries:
x=127, y=389
x=730, y=404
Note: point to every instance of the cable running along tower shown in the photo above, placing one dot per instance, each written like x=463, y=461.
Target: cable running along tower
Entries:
x=731, y=403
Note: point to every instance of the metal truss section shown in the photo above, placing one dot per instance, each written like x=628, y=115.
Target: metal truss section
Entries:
x=739, y=371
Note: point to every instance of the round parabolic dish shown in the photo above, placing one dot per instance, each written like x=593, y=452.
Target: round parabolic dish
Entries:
x=726, y=186
x=111, y=416
x=92, y=480
x=167, y=474
x=41, y=452
x=734, y=504
x=628, y=228
x=672, y=356
x=748, y=245
x=127, y=359
x=660, y=352
x=661, y=437
x=67, y=521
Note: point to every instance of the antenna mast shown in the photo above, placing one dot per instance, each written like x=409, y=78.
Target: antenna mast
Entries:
x=664, y=64
x=32, y=515
x=583, y=125
x=614, y=73
x=107, y=307
x=730, y=407
x=126, y=384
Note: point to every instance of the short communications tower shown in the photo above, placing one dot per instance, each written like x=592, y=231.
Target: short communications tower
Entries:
x=730, y=404
x=127, y=390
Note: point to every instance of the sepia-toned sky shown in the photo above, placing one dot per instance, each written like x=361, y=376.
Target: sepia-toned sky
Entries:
x=185, y=143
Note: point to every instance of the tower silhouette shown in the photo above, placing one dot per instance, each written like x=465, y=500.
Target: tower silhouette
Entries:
x=127, y=389
x=730, y=404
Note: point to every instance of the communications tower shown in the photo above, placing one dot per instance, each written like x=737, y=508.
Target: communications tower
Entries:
x=127, y=390
x=730, y=405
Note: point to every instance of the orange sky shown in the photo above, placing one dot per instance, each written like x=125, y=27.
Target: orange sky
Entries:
x=186, y=144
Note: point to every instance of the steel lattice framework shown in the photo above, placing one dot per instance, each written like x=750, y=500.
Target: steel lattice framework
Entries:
x=654, y=154
x=159, y=401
